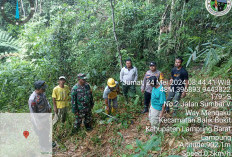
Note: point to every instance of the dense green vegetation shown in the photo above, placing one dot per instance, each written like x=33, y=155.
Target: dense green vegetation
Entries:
x=71, y=37
x=66, y=37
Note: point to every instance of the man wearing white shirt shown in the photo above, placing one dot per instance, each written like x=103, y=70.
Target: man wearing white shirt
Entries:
x=128, y=77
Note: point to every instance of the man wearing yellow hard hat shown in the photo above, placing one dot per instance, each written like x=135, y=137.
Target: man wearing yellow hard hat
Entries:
x=110, y=95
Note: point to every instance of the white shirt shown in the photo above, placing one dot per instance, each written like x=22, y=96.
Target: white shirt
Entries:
x=128, y=75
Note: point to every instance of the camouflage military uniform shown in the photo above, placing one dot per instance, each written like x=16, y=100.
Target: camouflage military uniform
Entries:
x=82, y=103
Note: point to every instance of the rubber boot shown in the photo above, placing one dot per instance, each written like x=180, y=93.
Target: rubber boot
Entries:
x=145, y=110
x=53, y=144
x=175, y=109
x=75, y=129
x=113, y=110
x=107, y=111
x=88, y=127
x=167, y=109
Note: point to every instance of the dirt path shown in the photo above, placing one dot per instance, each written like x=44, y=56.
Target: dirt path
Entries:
x=111, y=140
x=88, y=147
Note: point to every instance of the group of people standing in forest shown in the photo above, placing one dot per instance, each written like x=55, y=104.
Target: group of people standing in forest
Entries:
x=82, y=99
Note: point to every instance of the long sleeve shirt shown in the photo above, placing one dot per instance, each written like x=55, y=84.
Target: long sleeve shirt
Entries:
x=128, y=75
x=146, y=85
x=38, y=103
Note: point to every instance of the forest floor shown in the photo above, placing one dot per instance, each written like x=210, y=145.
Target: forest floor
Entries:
x=113, y=138
x=116, y=146
x=106, y=148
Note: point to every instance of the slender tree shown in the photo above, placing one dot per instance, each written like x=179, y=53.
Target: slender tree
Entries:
x=171, y=15
x=40, y=7
x=115, y=35
x=161, y=25
x=24, y=15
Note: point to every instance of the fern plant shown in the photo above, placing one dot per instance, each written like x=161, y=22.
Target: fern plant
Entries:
x=210, y=53
x=8, y=42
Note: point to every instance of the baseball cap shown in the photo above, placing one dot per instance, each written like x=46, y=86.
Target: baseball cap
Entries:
x=152, y=64
x=40, y=84
x=62, y=77
x=81, y=76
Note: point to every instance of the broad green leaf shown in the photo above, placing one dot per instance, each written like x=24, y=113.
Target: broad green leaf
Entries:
x=129, y=147
x=99, y=111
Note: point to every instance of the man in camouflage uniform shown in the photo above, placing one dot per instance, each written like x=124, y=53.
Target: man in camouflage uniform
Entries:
x=82, y=102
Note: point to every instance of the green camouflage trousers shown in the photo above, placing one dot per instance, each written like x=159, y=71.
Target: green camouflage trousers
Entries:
x=83, y=114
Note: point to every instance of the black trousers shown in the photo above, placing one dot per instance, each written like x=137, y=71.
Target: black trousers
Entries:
x=147, y=99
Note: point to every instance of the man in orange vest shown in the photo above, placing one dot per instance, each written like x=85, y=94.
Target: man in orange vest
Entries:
x=110, y=95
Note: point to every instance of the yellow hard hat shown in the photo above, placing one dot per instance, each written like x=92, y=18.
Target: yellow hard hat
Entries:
x=111, y=82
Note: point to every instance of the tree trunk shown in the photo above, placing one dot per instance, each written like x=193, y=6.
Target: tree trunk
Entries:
x=161, y=25
x=182, y=15
x=115, y=35
x=36, y=5
x=181, y=25
x=40, y=6
x=24, y=15
x=171, y=15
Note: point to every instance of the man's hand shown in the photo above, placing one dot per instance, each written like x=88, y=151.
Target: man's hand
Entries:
x=170, y=82
x=54, y=104
x=186, y=88
x=161, y=115
x=142, y=90
x=106, y=102
x=183, y=95
x=55, y=110
x=162, y=112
